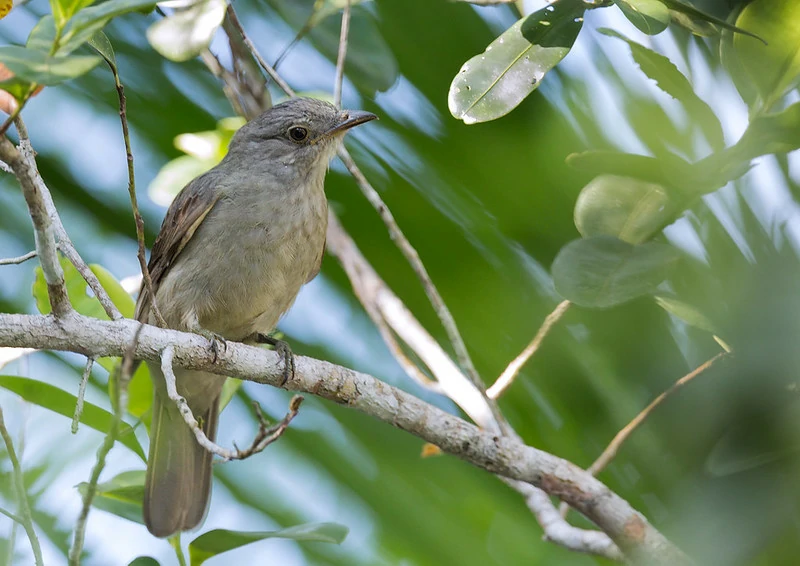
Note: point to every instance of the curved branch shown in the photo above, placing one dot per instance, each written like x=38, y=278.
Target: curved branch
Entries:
x=504, y=456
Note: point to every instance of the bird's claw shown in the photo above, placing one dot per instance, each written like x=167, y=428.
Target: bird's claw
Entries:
x=217, y=342
x=282, y=348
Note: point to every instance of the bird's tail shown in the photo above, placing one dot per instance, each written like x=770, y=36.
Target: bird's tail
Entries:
x=177, y=487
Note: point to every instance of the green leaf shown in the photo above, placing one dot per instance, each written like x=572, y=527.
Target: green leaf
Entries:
x=778, y=132
x=122, y=495
x=216, y=542
x=689, y=10
x=103, y=46
x=63, y=10
x=175, y=175
x=77, y=290
x=63, y=403
x=184, y=34
x=663, y=171
x=674, y=83
x=649, y=16
x=90, y=20
x=602, y=271
x=694, y=25
x=628, y=209
x=16, y=87
x=119, y=296
x=143, y=561
x=689, y=314
x=37, y=67
x=42, y=35
x=773, y=69
x=490, y=85
x=229, y=389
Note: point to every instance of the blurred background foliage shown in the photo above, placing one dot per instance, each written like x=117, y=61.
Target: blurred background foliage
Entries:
x=488, y=207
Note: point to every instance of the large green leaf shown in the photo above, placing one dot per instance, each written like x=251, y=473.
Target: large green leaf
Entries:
x=672, y=171
x=649, y=16
x=216, y=542
x=63, y=403
x=774, y=68
x=628, y=209
x=122, y=495
x=37, y=67
x=688, y=313
x=603, y=271
x=772, y=133
x=103, y=46
x=673, y=82
x=492, y=84
x=686, y=8
x=185, y=33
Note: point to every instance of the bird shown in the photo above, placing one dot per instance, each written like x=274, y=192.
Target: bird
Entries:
x=235, y=247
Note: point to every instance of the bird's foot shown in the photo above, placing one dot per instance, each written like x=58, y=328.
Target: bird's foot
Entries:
x=218, y=343
x=284, y=350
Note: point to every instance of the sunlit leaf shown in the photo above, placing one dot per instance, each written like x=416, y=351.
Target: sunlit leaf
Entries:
x=63, y=10
x=37, y=67
x=774, y=68
x=185, y=33
x=694, y=25
x=175, y=175
x=772, y=133
x=671, y=80
x=689, y=314
x=628, y=209
x=63, y=403
x=649, y=16
x=662, y=171
x=492, y=84
x=216, y=542
x=603, y=271
x=122, y=495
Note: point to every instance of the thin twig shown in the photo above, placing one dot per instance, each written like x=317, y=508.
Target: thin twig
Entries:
x=22, y=496
x=510, y=373
x=229, y=82
x=342, y=55
x=87, y=371
x=26, y=173
x=18, y=260
x=614, y=446
x=120, y=405
x=411, y=255
x=266, y=435
x=65, y=245
x=123, y=117
x=15, y=518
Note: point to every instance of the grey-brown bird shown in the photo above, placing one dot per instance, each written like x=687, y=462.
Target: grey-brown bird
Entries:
x=235, y=247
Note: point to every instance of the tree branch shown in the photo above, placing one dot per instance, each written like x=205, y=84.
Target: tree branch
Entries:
x=500, y=455
x=46, y=248
x=341, y=56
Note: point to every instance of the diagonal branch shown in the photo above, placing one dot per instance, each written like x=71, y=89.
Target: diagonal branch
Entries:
x=505, y=456
x=341, y=56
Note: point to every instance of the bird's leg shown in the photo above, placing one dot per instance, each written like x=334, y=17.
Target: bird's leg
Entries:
x=283, y=349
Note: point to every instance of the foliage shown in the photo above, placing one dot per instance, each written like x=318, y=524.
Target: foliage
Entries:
x=680, y=245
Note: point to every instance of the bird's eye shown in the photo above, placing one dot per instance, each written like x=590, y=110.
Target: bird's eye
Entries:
x=298, y=133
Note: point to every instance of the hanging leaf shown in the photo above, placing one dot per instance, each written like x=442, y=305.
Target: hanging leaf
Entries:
x=121, y=496
x=184, y=34
x=649, y=16
x=93, y=19
x=773, y=69
x=102, y=45
x=628, y=209
x=216, y=542
x=603, y=271
x=63, y=403
x=674, y=83
x=490, y=85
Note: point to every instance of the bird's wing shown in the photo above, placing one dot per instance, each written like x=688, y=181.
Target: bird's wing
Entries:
x=184, y=216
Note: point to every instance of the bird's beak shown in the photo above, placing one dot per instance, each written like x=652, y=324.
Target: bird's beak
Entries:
x=347, y=119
